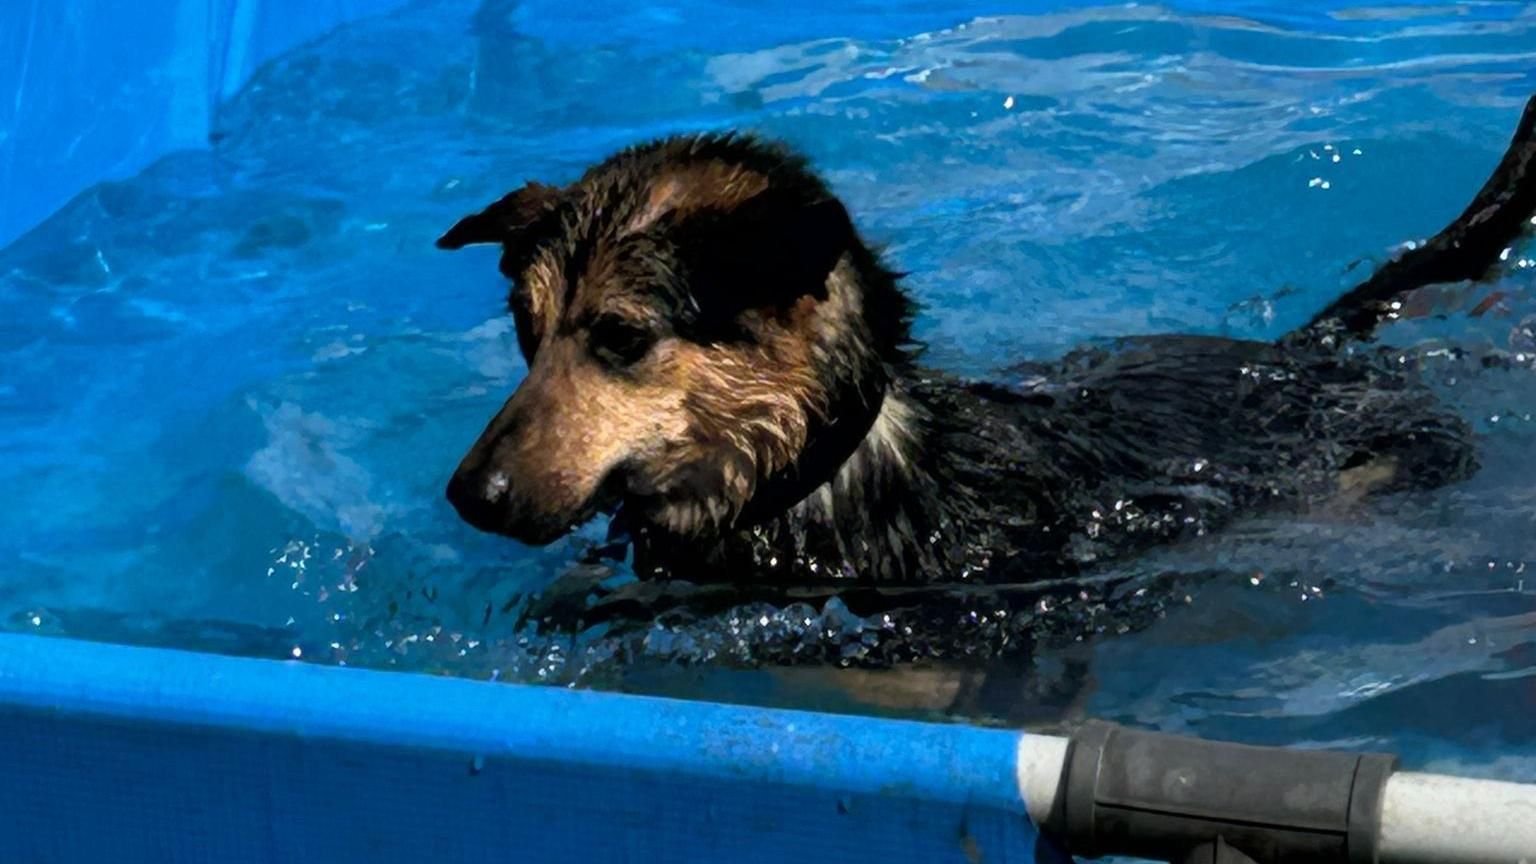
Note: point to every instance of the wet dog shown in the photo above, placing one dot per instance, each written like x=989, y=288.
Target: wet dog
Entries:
x=719, y=360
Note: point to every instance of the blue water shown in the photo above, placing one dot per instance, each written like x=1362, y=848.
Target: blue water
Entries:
x=232, y=387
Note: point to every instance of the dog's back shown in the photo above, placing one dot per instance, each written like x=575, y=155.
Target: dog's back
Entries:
x=1160, y=438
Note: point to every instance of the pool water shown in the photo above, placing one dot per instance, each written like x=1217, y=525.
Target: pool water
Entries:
x=232, y=387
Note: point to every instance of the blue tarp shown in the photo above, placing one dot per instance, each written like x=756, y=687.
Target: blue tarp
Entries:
x=96, y=91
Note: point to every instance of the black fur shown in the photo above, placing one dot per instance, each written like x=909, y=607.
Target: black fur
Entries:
x=1086, y=461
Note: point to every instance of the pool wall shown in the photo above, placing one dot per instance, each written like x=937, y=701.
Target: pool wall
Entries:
x=127, y=754
x=97, y=91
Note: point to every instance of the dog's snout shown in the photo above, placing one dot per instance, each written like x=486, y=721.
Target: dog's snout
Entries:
x=542, y=464
x=481, y=488
x=481, y=497
x=487, y=495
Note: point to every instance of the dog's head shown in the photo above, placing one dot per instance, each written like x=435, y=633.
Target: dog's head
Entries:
x=707, y=340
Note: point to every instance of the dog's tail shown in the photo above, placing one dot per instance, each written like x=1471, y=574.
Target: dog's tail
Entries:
x=1465, y=250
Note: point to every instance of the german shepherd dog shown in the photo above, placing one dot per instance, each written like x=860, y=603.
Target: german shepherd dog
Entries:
x=718, y=359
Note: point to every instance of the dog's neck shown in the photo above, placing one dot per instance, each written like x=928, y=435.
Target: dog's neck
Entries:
x=904, y=506
x=883, y=502
x=890, y=447
x=885, y=468
x=892, y=509
x=876, y=519
x=887, y=515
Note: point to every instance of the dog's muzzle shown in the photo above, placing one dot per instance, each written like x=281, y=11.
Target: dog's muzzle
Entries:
x=486, y=497
x=486, y=500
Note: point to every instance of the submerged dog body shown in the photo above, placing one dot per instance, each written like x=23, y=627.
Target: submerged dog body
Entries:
x=1087, y=460
x=716, y=356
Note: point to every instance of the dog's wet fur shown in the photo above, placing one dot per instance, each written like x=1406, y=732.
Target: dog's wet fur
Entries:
x=718, y=358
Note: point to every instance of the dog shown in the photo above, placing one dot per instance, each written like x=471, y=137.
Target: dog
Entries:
x=719, y=360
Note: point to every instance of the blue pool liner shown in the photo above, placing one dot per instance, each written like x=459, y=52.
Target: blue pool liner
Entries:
x=124, y=754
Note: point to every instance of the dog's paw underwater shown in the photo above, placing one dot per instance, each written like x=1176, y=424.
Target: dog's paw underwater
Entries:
x=717, y=359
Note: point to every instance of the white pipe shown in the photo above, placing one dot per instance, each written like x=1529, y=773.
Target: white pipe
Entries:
x=1434, y=819
x=1425, y=818
x=1041, y=761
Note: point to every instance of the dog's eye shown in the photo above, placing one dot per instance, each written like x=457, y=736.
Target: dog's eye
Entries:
x=619, y=343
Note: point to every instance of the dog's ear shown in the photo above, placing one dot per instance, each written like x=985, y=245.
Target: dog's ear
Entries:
x=506, y=222
x=766, y=252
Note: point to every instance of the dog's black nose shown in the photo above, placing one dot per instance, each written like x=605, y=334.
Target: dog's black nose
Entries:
x=481, y=499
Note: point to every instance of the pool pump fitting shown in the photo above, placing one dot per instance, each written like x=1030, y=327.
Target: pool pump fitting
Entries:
x=1129, y=792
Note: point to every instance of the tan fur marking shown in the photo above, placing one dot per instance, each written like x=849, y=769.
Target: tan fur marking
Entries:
x=749, y=413
x=903, y=688
x=541, y=289
x=757, y=404
x=697, y=187
x=577, y=423
x=890, y=438
x=1358, y=482
x=887, y=446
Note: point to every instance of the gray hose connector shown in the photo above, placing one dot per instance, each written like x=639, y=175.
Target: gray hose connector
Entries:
x=1126, y=792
